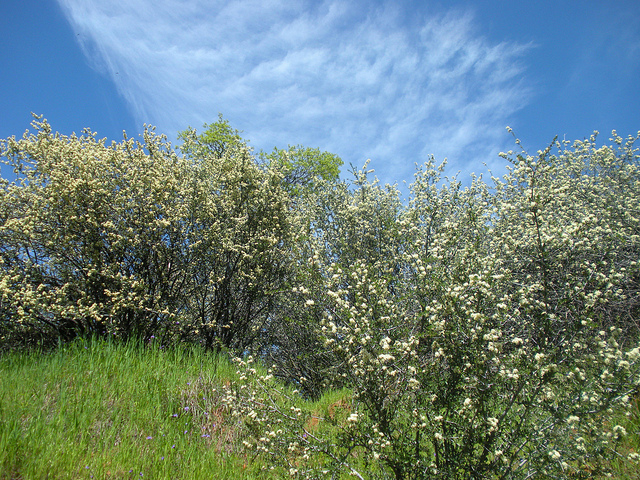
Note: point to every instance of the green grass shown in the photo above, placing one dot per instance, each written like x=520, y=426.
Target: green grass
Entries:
x=98, y=410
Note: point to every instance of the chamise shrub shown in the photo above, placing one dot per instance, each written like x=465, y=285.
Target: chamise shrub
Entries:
x=474, y=330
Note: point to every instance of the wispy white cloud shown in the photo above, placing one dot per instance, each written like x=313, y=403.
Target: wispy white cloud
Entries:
x=363, y=80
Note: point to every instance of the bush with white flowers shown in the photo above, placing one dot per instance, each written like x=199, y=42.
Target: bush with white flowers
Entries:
x=135, y=241
x=498, y=337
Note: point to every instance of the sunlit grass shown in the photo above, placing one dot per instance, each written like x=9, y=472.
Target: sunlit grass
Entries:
x=97, y=410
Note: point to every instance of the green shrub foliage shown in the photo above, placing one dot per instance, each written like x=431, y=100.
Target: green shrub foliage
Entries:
x=484, y=329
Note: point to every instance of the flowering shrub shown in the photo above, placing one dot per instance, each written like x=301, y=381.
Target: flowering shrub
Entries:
x=131, y=239
x=499, y=335
x=568, y=226
x=340, y=227
x=88, y=235
x=239, y=234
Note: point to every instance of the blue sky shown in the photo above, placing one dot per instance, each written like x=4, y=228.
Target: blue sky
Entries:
x=393, y=81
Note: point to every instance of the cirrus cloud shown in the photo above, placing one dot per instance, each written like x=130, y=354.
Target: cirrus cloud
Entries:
x=361, y=79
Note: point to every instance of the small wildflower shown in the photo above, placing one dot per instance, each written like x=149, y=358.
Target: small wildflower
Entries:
x=573, y=419
x=619, y=431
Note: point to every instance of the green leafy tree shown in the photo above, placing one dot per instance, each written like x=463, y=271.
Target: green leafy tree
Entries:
x=304, y=169
x=217, y=139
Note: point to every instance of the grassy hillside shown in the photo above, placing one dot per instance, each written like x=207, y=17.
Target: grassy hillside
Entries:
x=105, y=411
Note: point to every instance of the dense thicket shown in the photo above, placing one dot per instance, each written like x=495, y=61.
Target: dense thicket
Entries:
x=486, y=329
